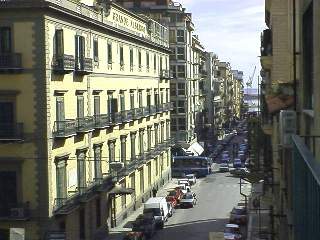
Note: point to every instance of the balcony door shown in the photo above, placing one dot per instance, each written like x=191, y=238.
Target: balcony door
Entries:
x=6, y=119
x=8, y=189
x=5, y=40
x=79, y=51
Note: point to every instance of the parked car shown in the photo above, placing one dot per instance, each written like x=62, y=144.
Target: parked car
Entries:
x=192, y=178
x=174, y=196
x=238, y=215
x=237, y=163
x=188, y=200
x=232, y=232
x=159, y=208
x=146, y=224
x=225, y=158
x=184, y=188
x=239, y=171
x=223, y=167
x=184, y=181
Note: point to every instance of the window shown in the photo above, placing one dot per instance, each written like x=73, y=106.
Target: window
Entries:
x=141, y=181
x=123, y=147
x=149, y=138
x=96, y=107
x=112, y=154
x=97, y=163
x=131, y=59
x=173, y=90
x=181, y=124
x=7, y=127
x=180, y=53
x=149, y=173
x=155, y=62
x=156, y=163
x=181, y=71
x=173, y=124
x=112, y=104
x=95, y=51
x=140, y=99
x=109, y=53
x=8, y=188
x=162, y=132
x=59, y=46
x=156, y=99
x=121, y=56
x=141, y=144
x=181, y=89
x=167, y=130
x=122, y=102
x=161, y=97
x=181, y=108
x=156, y=137
x=172, y=55
x=123, y=196
x=180, y=36
x=80, y=107
x=5, y=40
x=148, y=99
x=133, y=146
x=160, y=64
x=80, y=51
x=59, y=109
x=139, y=60
x=173, y=71
x=148, y=60
x=172, y=36
x=132, y=100
x=81, y=162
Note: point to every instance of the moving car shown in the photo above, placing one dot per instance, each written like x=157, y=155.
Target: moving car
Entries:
x=146, y=224
x=159, y=208
x=232, y=232
x=188, y=200
x=223, y=167
x=192, y=178
x=238, y=215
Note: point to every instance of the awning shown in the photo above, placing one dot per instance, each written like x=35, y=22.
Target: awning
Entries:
x=280, y=102
x=196, y=148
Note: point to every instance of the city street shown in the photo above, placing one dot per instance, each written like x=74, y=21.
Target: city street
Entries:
x=217, y=194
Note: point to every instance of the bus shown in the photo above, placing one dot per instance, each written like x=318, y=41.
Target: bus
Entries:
x=182, y=165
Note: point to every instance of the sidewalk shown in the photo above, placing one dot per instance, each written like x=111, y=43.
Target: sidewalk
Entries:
x=259, y=227
x=118, y=232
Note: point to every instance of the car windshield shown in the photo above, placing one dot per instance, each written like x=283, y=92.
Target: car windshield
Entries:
x=172, y=193
x=239, y=211
x=154, y=211
x=188, y=196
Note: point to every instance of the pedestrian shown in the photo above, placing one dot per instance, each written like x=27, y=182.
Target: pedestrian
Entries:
x=154, y=192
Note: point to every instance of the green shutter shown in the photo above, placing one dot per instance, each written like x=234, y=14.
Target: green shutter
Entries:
x=80, y=106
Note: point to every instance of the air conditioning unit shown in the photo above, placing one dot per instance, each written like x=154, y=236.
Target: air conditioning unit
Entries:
x=17, y=213
x=287, y=126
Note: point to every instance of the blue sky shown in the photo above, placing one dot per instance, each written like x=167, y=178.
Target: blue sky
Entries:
x=230, y=28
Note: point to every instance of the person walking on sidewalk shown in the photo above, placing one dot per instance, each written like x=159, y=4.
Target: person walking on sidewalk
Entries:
x=154, y=192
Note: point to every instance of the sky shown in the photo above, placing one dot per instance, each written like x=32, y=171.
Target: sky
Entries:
x=231, y=29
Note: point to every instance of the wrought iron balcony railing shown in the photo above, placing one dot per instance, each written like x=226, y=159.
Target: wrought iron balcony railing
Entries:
x=10, y=62
x=83, y=66
x=65, y=128
x=11, y=131
x=85, y=124
x=138, y=113
x=102, y=121
x=63, y=64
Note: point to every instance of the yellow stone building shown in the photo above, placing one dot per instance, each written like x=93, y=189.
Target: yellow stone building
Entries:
x=84, y=116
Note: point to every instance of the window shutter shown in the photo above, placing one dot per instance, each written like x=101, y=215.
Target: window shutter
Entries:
x=96, y=105
x=114, y=105
x=59, y=42
x=60, y=109
x=80, y=106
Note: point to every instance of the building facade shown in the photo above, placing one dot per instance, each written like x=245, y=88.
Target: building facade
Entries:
x=85, y=116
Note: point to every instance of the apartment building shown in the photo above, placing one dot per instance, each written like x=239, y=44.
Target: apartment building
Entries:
x=184, y=87
x=84, y=116
x=290, y=120
x=238, y=92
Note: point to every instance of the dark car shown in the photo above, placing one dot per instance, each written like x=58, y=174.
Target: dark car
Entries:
x=237, y=163
x=238, y=215
x=146, y=224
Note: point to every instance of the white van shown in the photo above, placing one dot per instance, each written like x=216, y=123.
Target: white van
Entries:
x=159, y=208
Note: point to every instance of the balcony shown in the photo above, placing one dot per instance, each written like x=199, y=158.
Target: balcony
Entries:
x=128, y=168
x=15, y=212
x=63, y=64
x=153, y=110
x=64, y=129
x=303, y=188
x=266, y=49
x=159, y=108
x=11, y=132
x=84, y=66
x=146, y=111
x=102, y=121
x=127, y=115
x=10, y=62
x=138, y=113
x=166, y=75
x=85, y=124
